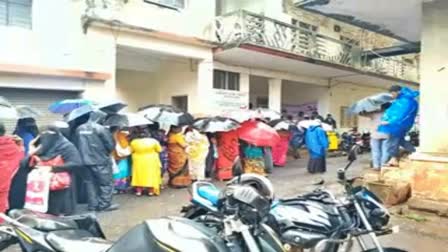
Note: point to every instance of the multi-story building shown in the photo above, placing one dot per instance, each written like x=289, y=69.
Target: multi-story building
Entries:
x=201, y=55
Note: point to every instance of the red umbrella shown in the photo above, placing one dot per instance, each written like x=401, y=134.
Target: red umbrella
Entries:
x=258, y=133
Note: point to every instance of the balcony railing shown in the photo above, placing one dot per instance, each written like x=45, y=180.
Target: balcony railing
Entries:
x=243, y=27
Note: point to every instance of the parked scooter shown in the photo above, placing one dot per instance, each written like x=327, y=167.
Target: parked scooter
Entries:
x=316, y=220
x=238, y=227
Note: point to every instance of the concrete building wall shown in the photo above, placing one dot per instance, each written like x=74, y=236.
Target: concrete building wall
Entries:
x=137, y=88
x=227, y=6
x=193, y=20
x=434, y=72
x=178, y=79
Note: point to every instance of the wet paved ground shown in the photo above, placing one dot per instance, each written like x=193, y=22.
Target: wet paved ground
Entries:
x=288, y=181
x=430, y=236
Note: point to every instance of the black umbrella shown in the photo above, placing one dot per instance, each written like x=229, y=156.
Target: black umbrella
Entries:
x=127, y=120
x=215, y=124
x=370, y=104
x=280, y=124
x=81, y=111
x=112, y=107
x=166, y=114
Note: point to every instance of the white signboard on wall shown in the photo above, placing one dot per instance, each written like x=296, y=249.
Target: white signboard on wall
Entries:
x=225, y=100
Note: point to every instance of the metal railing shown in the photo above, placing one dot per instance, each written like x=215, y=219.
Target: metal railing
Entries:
x=243, y=27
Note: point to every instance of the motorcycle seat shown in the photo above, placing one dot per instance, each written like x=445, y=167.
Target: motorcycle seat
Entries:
x=42, y=222
x=209, y=193
x=76, y=240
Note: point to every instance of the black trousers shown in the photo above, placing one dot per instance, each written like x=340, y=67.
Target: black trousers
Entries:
x=99, y=186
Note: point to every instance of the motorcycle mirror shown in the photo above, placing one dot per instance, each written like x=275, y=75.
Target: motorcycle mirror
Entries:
x=352, y=154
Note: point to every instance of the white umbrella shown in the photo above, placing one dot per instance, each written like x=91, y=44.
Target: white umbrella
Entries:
x=7, y=110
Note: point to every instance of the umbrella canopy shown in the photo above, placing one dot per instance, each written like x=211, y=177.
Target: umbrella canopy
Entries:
x=239, y=115
x=67, y=106
x=258, y=133
x=215, y=124
x=370, y=104
x=25, y=111
x=305, y=124
x=166, y=114
x=280, y=124
x=81, y=111
x=7, y=110
x=267, y=113
x=127, y=120
x=112, y=107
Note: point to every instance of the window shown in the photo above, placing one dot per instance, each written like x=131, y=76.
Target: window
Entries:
x=348, y=120
x=226, y=80
x=171, y=4
x=262, y=102
x=16, y=13
x=180, y=102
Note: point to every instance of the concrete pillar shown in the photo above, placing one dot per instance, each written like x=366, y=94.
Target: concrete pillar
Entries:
x=430, y=164
x=202, y=102
x=245, y=87
x=275, y=94
x=434, y=74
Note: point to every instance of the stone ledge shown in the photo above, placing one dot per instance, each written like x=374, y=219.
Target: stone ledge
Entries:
x=438, y=207
x=429, y=157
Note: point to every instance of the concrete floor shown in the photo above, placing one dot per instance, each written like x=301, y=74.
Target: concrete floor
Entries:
x=430, y=236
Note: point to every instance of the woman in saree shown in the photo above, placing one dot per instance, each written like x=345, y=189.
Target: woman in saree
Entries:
x=146, y=165
x=280, y=150
x=228, y=153
x=121, y=157
x=253, y=159
x=197, y=150
x=177, y=159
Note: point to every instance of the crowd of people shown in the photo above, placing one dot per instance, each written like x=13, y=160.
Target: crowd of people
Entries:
x=90, y=162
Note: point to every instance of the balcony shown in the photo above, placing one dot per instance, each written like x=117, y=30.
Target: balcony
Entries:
x=245, y=28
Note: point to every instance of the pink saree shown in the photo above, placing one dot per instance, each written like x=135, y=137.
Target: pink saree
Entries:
x=280, y=151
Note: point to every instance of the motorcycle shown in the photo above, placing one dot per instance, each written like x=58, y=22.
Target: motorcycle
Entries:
x=239, y=227
x=315, y=220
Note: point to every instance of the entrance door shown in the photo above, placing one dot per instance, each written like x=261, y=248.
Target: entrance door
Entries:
x=180, y=102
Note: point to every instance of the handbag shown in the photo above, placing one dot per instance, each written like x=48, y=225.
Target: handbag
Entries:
x=37, y=191
x=58, y=180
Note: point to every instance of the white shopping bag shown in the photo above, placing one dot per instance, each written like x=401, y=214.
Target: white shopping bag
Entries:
x=37, y=191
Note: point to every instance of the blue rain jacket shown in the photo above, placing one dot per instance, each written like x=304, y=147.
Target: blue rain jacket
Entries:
x=401, y=114
x=316, y=141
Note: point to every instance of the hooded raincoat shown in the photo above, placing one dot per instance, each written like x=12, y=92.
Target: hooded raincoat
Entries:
x=317, y=143
x=401, y=114
x=95, y=144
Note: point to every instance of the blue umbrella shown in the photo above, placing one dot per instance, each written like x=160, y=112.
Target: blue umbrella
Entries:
x=370, y=104
x=67, y=106
x=81, y=111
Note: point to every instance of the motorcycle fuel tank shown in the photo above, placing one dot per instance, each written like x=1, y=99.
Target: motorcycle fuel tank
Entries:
x=306, y=215
x=170, y=234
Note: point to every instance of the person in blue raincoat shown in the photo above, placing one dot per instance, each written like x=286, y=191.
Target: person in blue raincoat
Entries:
x=317, y=144
x=398, y=120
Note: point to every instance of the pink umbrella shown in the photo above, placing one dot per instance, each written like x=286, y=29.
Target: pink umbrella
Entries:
x=258, y=133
